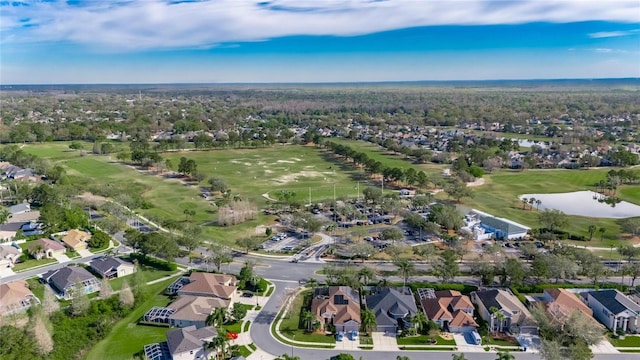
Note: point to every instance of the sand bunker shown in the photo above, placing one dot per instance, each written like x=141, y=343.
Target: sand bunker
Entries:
x=286, y=161
x=294, y=177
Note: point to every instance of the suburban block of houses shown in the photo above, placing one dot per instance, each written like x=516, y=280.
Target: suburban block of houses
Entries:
x=503, y=311
x=451, y=310
x=45, y=248
x=16, y=297
x=182, y=344
x=394, y=308
x=337, y=305
x=206, y=284
x=67, y=280
x=110, y=267
x=76, y=239
x=614, y=309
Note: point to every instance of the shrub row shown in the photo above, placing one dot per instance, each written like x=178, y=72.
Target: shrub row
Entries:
x=153, y=262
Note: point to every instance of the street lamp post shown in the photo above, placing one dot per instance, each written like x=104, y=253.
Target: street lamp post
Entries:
x=294, y=337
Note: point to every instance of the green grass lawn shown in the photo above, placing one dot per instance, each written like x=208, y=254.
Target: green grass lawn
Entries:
x=36, y=287
x=388, y=158
x=127, y=337
x=31, y=263
x=244, y=351
x=292, y=328
x=147, y=274
x=487, y=340
x=628, y=341
x=499, y=197
x=423, y=340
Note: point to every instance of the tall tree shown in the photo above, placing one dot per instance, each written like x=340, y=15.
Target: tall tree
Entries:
x=368, y=320
x=406, y=268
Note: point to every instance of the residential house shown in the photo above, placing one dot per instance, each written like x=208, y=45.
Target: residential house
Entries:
x=185, y=311
x=45, y=248
x=20, y=208
x=614, y=309
x=560, y=305
x=206, y=284
x=16, y=297
x=451, y=310
x=67, y=279
x=76, y=239
x=9, y=255
x=182, y=344
x=337, y=305
x=109, y=267
x=393, y=307
x=503, y=311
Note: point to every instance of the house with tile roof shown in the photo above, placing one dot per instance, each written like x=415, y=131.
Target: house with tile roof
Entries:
x=66, y=280
x=561, y=303
x=111, y=267
x=185, y=311
x=451, y=310
x=16, y=297
x=76, y=239
x=503, y=311
x=614, y=309
x=393, y=307
x=9, y=255
x=182, y=344
x=45, y=248
x=206, y=284
x=337, y=305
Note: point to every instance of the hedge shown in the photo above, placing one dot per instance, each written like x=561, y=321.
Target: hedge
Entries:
x=539, y=288
x=153, y=262
x=465, y=289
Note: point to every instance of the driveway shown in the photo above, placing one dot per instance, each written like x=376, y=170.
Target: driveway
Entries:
x=464, y=346
x=85, y=253
x=604, y=347
x=6, y=271
x=384, y=341
x=62, y=258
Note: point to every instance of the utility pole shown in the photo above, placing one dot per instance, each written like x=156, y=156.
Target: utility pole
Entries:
x=309, y=196
x=334, y=191
x=382, y=186
x=358, y=191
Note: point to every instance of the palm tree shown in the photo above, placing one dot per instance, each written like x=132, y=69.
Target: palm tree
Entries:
x=531, y=202
x=420, y=321
x=288, y=357
x=525, y=201
x=367, y=275
x=307, y=319
x=538, y=203
x=406, y=268
x=368, y=320
x=312, y=282
x=458, y=357
x=592, y=230
x=217, y=317
x=497, y=315
x=399, y=357
x=601, y=231
x=4, y=215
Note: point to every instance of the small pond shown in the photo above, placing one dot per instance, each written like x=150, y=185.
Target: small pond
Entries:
x=586, y=203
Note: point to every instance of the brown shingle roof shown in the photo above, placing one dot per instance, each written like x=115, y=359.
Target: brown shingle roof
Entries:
x=442, y=307
x=14, y=292
x=196, y=308
x=461, y=318
x=218, y=285
x=341, y=312
x=47, y=244
x=75, y=237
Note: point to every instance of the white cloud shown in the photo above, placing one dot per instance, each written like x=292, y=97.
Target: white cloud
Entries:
x=157, y=24
x=608, y=34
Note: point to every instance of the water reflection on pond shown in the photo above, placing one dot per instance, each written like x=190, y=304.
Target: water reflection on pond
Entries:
x=586, y=203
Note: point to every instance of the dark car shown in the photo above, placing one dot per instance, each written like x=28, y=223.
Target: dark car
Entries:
x=247, y=295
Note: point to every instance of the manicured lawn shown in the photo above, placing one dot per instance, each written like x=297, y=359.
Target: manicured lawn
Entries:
x=628, y=341
x=244, y=351
x=487, y=340
x=37, y=288
x=423, y=340
x=428, y=348
x=147, y=274
x=30, y=263
x=389, y=158
x=127, y=337
x=235, y=327
x=246, y=326
x=292, y=328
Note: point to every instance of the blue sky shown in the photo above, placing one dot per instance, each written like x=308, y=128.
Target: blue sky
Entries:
x=162, y=41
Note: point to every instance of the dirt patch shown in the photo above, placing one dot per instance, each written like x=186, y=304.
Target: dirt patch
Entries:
x=478, y=182
x=285, y=179
x=446, y=336
x=89, y=197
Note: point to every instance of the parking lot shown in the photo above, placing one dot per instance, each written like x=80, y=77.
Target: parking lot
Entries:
x=284, y=241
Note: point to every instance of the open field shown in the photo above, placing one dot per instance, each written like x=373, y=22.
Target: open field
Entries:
x=499, y=196
x=127, y=337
